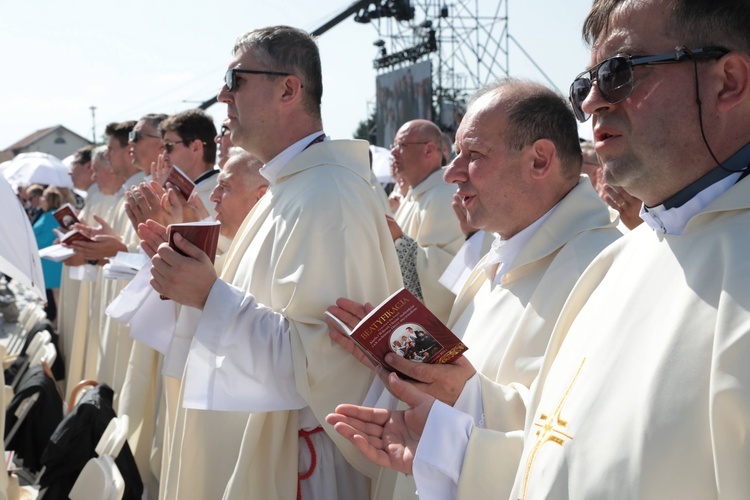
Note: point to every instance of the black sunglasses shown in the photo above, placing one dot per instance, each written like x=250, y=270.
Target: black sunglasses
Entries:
x=136, y=135
x=169, y=145
x=614, y=76
x=231, y=82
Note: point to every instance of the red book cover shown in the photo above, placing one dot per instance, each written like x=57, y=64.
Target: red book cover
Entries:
x=204, y=235
x=66, y=216
x=180, y=181
x=74, y=235
x=403, y=325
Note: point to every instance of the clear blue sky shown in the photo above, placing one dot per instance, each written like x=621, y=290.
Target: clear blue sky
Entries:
x=129, y=58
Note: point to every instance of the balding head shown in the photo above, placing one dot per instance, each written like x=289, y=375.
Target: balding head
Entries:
x=240, y=186
x=517, y=156
x=417, y=151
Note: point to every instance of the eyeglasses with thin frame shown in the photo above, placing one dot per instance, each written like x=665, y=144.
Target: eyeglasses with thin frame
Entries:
x=400, y=145
x=230, y=79
x=614, y=76
x=137, y=135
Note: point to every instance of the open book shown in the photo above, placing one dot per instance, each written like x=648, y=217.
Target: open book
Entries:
x=60, y=252
x=401, y=324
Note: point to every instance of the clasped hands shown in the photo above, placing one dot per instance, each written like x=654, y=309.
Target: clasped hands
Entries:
x=151, y=201
x=390, y=437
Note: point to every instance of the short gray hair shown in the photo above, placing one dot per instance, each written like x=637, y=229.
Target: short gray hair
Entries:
x=99, y=154
x=291, y=50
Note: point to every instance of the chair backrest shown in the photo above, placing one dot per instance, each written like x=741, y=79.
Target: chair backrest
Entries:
x=35, y=350
x=46, y=353
x=114, y=436
x=77, y=393
x=39, y=341
x=100, y=477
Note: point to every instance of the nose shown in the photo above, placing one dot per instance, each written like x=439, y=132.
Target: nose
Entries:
x=456, y=172
x=215, y=196
x=594, y=102
x=224, y=95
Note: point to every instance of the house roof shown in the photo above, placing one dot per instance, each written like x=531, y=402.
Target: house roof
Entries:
x=39, y=134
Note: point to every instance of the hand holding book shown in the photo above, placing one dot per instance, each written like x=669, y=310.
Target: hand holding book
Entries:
x=183, y=270
x=402, y=334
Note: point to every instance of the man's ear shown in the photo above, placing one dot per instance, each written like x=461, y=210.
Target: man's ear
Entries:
x=734, y=72
x=542, y=153
x=292, y=88
x=260, y=192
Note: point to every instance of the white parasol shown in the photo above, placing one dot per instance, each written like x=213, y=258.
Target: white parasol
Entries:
x=381, y=164
x=19, y=255
x=37, y=168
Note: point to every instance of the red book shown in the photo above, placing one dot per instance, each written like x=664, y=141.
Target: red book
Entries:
x=66, y=216
x=74, y=235
x=180, y=181
x=403, y=325
x=204, y=235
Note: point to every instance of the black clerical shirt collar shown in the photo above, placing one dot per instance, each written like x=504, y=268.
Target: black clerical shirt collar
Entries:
x=206, y=175
x=738, y=162
x=672, y=216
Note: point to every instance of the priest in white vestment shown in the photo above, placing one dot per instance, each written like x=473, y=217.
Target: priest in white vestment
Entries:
x=261, y=346
x=644, y=391
x=509, y=304
x=425, y=215
x=99, y=203
x=80, y=174
x=198, y=461
x=85, y=352
x=188, y=141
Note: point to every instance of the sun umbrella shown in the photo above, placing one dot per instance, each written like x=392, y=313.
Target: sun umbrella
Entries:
x=19, y=256
x=381, y=164
x=37, y=168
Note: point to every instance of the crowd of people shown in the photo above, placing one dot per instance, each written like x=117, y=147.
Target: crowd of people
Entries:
x=606, y=315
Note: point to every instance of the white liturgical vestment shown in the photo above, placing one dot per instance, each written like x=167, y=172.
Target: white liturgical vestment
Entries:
x=506, y=320
x=318, y=234
x=426, y=215
x=96, y=203
x=643, y=392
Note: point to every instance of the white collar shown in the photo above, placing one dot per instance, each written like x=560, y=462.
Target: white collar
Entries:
x=503, y=252
x=673, y=220
x=273, y=168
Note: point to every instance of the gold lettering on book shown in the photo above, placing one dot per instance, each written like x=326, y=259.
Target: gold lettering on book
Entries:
x=451, y=354
x=550, y=430
x=385, y=315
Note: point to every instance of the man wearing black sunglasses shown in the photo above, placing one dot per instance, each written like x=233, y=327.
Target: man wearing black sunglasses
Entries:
x=145, y=142
x=262, y=344
x=188, y=139
x=644, y=391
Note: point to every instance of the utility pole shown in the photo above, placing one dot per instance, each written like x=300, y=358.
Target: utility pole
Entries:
x=93, y=124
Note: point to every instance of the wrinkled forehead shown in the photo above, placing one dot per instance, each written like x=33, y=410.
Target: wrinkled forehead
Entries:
x=635, y=27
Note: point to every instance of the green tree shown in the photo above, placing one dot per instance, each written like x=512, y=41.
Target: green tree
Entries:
x=367, y=129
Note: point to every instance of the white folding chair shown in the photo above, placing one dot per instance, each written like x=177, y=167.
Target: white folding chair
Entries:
x=100, y=477
x=35, y=349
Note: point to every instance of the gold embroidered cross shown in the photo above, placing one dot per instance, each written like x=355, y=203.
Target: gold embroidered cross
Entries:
x=550, y=429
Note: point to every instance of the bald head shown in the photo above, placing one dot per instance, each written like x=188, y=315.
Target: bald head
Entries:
x=417, y=151
x=240, y=185
x=517, y=156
